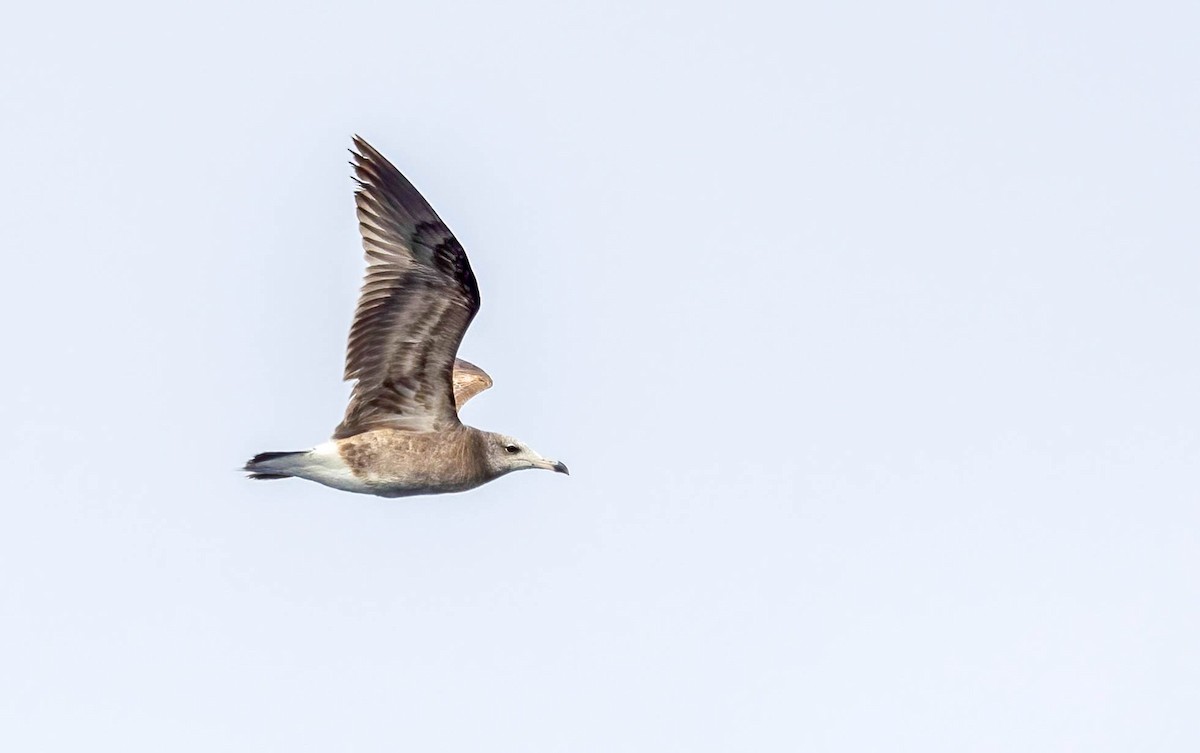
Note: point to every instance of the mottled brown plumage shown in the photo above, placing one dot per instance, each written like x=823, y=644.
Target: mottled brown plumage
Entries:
x=451, y=460
x=401, y=434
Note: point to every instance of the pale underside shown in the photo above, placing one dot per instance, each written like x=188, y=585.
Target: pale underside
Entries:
x=394, y=463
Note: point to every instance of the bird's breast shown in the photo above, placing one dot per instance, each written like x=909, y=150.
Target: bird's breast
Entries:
x=401, y=462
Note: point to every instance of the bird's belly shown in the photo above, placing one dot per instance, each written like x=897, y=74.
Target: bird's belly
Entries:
x=327, y=465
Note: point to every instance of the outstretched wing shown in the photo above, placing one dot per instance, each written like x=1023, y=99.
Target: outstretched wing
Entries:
x=469, y=380
x=418, y=297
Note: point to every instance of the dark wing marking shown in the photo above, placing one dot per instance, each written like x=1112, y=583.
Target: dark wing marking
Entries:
x=469, y=380
x=418, y=297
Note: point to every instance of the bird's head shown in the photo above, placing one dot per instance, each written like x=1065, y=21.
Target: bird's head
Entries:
x=506, y=454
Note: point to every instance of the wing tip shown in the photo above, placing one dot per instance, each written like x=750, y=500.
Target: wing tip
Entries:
x=363, y=152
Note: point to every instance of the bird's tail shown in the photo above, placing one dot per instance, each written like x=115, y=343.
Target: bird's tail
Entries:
x=271, y=465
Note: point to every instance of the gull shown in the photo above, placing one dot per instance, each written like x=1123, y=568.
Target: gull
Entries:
x=401, y=434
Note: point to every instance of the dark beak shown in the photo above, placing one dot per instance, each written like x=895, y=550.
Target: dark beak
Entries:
x=561, y=467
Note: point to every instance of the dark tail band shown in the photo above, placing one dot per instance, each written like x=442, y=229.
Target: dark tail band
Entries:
x=262, y=457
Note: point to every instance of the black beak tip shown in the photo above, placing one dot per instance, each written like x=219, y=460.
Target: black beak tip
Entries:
x=561, y=467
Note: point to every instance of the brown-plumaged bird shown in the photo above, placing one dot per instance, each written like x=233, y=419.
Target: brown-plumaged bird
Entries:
x=401, y=434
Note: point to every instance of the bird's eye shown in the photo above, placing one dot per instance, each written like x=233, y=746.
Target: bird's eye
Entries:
x=512, y=449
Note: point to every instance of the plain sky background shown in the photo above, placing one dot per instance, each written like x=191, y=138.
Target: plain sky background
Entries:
x=868, y=330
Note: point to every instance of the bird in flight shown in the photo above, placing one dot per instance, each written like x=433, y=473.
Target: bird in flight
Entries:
x=401, y=434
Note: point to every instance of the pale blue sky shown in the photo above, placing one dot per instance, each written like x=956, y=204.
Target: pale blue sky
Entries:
x=869, y=332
